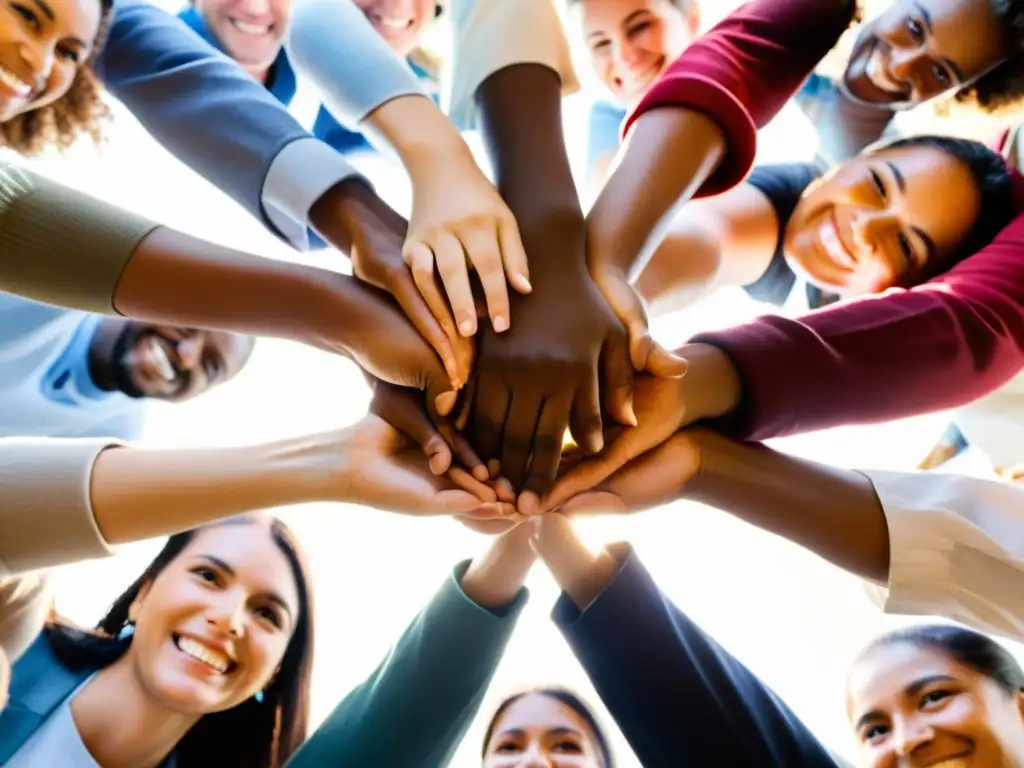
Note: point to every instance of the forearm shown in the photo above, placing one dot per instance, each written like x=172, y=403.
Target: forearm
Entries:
x=520, y=111
x=684, y=269
x=667, y=157
x=833, y=512
x=177, y=279
x=495, y=578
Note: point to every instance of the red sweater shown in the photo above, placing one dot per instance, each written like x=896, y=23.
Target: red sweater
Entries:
x=939, y=345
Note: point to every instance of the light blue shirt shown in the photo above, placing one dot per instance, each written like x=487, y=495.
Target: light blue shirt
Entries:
x=56, y=743
x=45, y=386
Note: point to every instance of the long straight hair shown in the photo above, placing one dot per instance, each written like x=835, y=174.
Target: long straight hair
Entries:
x=253, y=734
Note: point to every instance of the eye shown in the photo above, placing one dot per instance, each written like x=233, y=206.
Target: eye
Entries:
x=206, y=574
x=906, y=248
x=636, y=29
x=879, y=184
x=942, y=77
x=915, y=28
x=873, y=732
x=71, y=54
x=507, y=747
x=935, y=697
x=568, y=748
x=27, y=14
x=600, y=45
x=268, y=613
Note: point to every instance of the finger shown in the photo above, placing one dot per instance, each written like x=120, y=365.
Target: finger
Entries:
x=467, y=482
x=618, y=380
x=441, y=398
x=585, y=424
x=593, y=503
x=463, y=450
x=466, y=405
x=451, y=265
x=664, y=364
x=593, y=471
x=482, y=249
x=404, y=411
x=490, y=411
x=547, y=450
x=494, y=511
x=503, y=488
x=517, y=445
x=488, y=527
x=513, y=255
x=419, y=314
x=420, y=260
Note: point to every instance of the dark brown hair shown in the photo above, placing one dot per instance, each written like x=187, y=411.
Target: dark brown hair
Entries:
x=79, y=112
x=253, y=734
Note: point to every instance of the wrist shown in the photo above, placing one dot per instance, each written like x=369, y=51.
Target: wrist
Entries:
x=711, y=384
x=341, y=211
x=305, y=469
x=494, y=578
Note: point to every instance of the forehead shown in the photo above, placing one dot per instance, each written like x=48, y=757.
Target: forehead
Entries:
x=881, y=676
x=966, y=31
x=537, y=712
x=941, y=196
x=73, y=18
x=598, y=15
x=248, y=548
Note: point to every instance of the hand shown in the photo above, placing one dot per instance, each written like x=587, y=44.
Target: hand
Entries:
x=580, y=573
x=652, y=480
x=662, y=406
x=357, y=222
x=379, y=338
x=541, y=377
x=627, y=305
x=377, y=466
x=405, y=410
x=459, y=221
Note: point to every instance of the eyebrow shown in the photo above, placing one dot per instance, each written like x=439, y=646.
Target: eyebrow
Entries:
x=272, y=596
x=625, y=22
x=47, y=10
x=564, y=731
x=912, y=690
x=926, y=17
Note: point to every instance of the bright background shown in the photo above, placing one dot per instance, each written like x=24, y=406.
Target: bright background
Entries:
x=793, y=619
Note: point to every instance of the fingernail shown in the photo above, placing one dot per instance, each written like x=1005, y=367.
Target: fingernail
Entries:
x=493, y=467
x=466, y=327
x=480, y=473
x=445, y=402
x=630, y=415
x=523, y=283
x=500, y=324
x=437, y=463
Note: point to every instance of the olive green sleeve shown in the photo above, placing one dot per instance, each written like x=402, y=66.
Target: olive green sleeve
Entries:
x=60, y=246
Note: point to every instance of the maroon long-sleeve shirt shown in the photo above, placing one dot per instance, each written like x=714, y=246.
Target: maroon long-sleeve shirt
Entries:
x=939, y=345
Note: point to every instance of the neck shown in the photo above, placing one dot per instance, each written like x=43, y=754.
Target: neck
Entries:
x=259, y=74
x=121, y=726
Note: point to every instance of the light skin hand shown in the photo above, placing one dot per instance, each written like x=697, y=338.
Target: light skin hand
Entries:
x=581, y=573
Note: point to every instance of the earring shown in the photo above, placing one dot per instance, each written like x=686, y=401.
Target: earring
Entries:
x=259, y=697
x=127, y=630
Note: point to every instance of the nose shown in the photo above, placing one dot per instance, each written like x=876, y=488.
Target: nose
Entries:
x=903, y=61
x=911, y=734
x=227, y=617
x=869, y=226
x=535, y=758
x=255, y=7
x=625, y=55
x=190, y=350
x=39, y=59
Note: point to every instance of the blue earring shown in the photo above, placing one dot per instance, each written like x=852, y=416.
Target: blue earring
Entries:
x=259, y=697
x=127, y=630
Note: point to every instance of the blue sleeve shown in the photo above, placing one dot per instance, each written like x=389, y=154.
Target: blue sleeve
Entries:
x=844, y=127
x=415, y=708
x=603, y=131
x=196, y=102
x=679, y=698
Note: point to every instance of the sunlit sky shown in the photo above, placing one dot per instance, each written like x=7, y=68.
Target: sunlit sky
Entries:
x=793, y=619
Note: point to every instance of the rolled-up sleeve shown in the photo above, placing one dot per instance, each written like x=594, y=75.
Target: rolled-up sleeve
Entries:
x=490, y=35
x=46, y=515
x=956, y=549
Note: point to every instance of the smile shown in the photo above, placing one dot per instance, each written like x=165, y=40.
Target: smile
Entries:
x=249, y=28
x=960, y=761
x=211, y=657
x=393, y=22
x=15, y=83
x=828, y=235
x=157, y=353
x=879, y=75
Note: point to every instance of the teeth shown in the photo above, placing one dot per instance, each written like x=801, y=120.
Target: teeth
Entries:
x=830, y=240
x=394, y=23
x=200, y=652
x=956, y=762
x=14, y=82
x=250, y=29
x=159, y=355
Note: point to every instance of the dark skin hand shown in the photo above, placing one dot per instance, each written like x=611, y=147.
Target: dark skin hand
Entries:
x=541, y=376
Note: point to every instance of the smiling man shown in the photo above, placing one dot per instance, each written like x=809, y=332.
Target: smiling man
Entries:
x=72, y=374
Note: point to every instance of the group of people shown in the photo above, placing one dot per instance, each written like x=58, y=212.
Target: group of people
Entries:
x=498, y=317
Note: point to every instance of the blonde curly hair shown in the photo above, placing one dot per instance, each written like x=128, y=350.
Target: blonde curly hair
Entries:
x=79, y=112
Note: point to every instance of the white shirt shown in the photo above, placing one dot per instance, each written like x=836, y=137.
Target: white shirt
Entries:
x=956, y=549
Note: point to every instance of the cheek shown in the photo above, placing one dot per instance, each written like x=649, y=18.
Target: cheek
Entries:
x=651, y=41
x=57, y=86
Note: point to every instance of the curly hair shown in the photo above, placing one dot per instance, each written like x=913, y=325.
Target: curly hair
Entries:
x=1003, y=87
x=79, y=112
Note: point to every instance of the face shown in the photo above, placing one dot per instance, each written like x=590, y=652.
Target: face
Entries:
x=42, y=45
x=212, y=628
x=251, y=32
x=881, y=220
x=631, y=42
x=919, y=49
x=399, y=22
x=914, y=707
x=538, y=731
x=169, y=363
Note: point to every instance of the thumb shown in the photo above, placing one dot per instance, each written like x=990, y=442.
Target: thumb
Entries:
x=629, y=308
x=664, y=364
x=441, y=397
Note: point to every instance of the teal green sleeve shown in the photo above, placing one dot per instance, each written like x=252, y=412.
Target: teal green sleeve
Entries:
x=413, y=711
